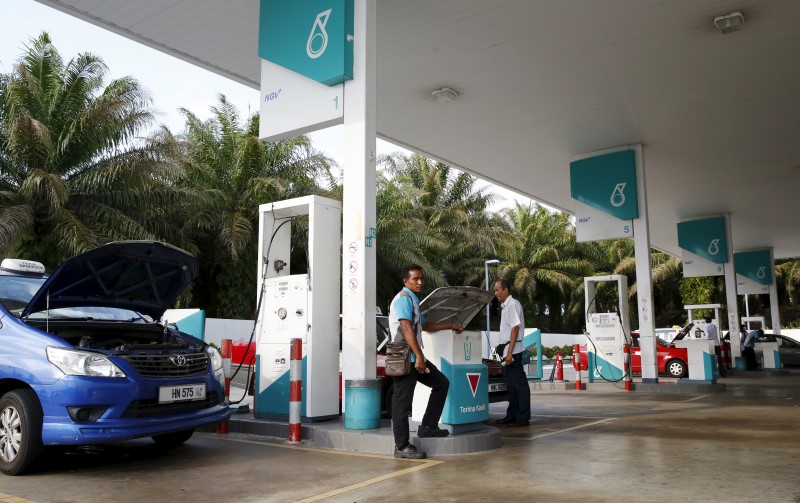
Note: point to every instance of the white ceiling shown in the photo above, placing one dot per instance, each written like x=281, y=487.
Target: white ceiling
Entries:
x=542, y=81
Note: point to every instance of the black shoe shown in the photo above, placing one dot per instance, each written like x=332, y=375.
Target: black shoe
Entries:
x=504, y=420
x=409, y=452
x=519, y=423
x=431, y=431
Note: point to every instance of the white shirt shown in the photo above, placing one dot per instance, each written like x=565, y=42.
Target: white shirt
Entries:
x=711, y=333
x=511, y=316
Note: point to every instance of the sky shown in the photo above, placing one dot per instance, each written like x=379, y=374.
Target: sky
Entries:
x=172, y=83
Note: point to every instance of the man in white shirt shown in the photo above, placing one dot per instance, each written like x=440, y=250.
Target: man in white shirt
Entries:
x=512, y=328
x=712, y=334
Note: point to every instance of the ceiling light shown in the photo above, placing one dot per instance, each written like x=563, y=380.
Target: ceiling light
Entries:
x=444, y=95
x=729, y=22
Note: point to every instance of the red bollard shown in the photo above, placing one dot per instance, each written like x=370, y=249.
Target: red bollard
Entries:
x=226, y=351
x=559, y=367
x=295, y=389
x=626, y=366
x=576, y=358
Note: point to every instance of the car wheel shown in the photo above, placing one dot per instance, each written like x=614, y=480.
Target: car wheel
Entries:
x=676, y=368
x=174, y=439
x=20, y=431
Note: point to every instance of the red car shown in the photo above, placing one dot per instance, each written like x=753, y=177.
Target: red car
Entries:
x=671, y=360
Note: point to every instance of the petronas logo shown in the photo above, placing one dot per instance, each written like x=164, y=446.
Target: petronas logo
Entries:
x=618, y=196
x=318, y=38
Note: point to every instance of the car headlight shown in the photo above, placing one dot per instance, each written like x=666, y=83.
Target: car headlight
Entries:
x=216, y=358
x=82, y=363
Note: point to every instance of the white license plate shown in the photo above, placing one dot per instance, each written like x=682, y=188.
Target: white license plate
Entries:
x=185, y=393
x=497, y=387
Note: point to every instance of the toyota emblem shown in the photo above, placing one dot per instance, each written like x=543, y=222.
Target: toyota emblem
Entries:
x=178, y=360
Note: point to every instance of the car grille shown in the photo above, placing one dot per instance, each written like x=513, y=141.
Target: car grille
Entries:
x=151, y=408
x=171, y=365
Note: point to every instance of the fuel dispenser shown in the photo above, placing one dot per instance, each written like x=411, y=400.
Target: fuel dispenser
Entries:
x=766, y=352
x=606, y=332
x=304, y=306
x=703, y=364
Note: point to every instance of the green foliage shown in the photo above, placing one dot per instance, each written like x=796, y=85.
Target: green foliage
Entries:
x=73, y=172
x=433, y=215
x=230, y=172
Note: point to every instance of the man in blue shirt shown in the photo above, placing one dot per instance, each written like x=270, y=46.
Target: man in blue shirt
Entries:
x=406, y=322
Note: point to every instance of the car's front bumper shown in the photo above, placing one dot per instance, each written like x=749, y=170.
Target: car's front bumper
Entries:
x=131, y=409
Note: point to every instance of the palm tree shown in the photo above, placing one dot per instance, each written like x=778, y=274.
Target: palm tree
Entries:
x=545, y=265
x=433, y=215
x=231, y=173
x=73, y=173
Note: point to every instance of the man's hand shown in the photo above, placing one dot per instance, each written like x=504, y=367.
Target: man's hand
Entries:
x=420, y=364
x=458, y=327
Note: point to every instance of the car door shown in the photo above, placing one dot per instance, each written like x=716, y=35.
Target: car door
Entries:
x=789, y=351
x=636, y=354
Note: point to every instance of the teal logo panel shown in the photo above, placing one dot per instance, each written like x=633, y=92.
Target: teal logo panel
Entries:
x=705, y=237
x=603, y=369
x=468, y=398
x=193, y=324
x=607, y=182
x=710, y=368
x=313, y=38
x=275, y=399
x=756, y=265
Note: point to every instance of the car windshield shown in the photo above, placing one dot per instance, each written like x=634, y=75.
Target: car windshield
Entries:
x=16, y=292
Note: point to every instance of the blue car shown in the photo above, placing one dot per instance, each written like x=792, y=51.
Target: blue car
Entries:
x=83, y=359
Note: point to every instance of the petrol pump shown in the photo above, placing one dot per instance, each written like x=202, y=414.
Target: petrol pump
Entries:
x=606, y=332
x=298, y=306
x=698, y=331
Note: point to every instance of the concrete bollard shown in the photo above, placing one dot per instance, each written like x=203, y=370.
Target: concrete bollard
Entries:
x=295, y=389
x=226, y=351
x=626, y=366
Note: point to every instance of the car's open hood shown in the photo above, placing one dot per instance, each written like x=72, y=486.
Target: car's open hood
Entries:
x=455, y=304
x=682, y=333
x=142, y=276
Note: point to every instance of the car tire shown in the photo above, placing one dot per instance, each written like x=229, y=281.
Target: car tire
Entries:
x=676, y=368
x=20, y=431
x=174, y=439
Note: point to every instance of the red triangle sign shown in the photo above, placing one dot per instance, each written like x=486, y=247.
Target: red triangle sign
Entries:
x=473, y=378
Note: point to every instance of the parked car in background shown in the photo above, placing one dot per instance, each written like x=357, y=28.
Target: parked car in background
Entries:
x=670, y=360
x=788, y=348
x=82, y=360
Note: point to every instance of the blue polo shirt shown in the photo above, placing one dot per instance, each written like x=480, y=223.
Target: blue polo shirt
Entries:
x=402, y=308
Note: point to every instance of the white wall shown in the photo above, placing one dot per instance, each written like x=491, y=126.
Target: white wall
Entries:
x=548, y=340
x=235, y=330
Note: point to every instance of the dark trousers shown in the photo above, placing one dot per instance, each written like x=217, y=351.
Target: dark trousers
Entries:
x=723, y=368
x=750, y=357
x=519, y=393
x=403, y=397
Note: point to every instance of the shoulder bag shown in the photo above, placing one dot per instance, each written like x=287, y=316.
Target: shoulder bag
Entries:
x=398, y=359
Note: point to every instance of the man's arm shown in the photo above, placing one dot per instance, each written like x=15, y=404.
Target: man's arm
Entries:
x=435, y=327
x=410, y=336
x=509, y=351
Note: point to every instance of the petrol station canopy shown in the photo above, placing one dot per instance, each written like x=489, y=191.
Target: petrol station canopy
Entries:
x=540, y=82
